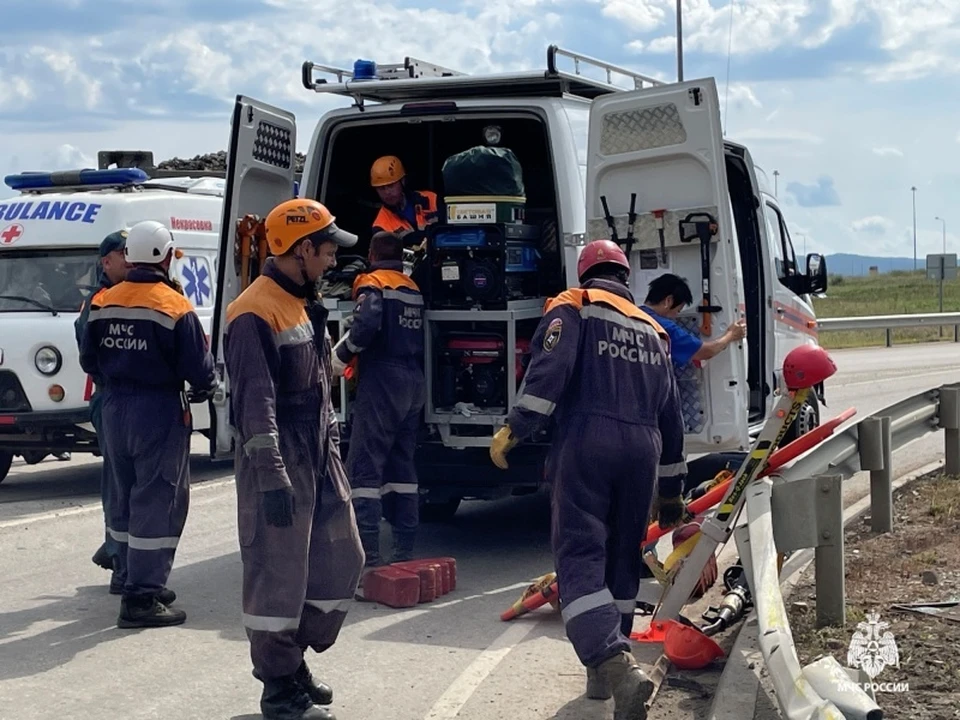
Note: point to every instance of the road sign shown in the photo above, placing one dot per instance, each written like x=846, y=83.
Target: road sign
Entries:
x=942, y=267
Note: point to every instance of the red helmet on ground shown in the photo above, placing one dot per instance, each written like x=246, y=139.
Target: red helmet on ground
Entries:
x=688, y=648
x=600, y=252
x=807, y=366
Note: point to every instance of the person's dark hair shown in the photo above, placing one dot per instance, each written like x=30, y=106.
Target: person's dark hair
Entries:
x=669, y=285
x=606, y=271
x=386, y=246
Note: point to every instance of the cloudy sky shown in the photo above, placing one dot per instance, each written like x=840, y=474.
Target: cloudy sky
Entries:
x=852, y=101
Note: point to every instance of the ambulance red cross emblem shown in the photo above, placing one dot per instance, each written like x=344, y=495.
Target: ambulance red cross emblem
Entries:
x=10, y=234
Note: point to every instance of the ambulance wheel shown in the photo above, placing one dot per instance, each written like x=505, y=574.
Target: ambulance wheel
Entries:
x=439, y=511
x=6, y=459
x=807, y=420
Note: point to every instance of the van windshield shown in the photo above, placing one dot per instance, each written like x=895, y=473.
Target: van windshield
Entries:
x=53, y=280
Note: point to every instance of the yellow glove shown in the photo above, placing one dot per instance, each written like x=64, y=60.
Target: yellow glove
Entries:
x=503, y=442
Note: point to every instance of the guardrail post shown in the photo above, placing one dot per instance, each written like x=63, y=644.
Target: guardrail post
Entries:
x=829, y=557
x=949, y=420
x=956, y=333
x=876, y=455
x=808, y=513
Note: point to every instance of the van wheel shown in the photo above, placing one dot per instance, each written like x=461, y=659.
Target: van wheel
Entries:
x=807, y=419
x=439, y=511
x=6, y=459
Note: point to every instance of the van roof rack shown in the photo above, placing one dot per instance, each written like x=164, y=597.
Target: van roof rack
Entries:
x=418, y=80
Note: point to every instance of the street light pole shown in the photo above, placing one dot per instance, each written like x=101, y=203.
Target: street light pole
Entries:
x=914, y=191
x=776, y=183
x=944, y=233
x=679, y=40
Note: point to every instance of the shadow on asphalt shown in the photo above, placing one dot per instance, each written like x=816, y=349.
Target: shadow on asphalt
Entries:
x=210, y=593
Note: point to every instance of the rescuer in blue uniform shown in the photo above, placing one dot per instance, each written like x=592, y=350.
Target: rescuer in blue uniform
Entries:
x=388, y=336
x=145, y=340
x=600, y=368
x=111, y=269
x=298, y=536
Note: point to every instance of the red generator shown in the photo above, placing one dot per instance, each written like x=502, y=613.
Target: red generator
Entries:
x=472, y=369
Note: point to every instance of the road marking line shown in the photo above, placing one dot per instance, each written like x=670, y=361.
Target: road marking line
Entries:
x=95, y=506
x=463, y=688
x=906, y=376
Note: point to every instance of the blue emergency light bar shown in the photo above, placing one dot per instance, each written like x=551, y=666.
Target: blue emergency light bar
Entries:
x=73, y=178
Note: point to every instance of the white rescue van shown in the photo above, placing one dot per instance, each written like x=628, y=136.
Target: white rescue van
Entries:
x=49, y=251
x=585, y=146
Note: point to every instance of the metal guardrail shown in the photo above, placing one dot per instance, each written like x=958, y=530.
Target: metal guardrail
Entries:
x=893, y=322
x=801, y=506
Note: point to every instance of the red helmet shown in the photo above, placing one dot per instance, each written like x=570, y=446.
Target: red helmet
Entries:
x=806, y=366
x=599, y=252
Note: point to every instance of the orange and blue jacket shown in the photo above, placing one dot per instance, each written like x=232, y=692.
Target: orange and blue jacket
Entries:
x=387, y=319
x=420, y=210
x=596, y=353
x=143, y=335
x=278, y=377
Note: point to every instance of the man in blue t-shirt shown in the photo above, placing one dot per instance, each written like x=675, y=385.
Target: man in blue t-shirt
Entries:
x=666, y=297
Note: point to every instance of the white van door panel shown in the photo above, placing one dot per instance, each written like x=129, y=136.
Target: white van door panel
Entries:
x=261, y=166
x=666, y=145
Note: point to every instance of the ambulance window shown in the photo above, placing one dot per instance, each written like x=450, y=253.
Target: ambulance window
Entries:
x=776, y=242
x=60, y=280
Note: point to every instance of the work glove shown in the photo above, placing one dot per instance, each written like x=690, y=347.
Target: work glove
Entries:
x=671, y=511
x=195, y=396
x=279, y=507
x=503, y=442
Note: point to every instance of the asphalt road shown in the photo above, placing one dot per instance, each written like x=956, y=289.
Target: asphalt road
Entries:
x=62, y=656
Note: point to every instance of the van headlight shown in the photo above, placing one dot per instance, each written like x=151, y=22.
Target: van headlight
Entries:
x=48, y=360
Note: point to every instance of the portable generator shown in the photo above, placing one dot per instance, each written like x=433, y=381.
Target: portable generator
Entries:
x=472, y=369
x=484, y=265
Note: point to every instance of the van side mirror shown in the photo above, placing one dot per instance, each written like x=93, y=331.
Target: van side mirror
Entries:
x=816, y=274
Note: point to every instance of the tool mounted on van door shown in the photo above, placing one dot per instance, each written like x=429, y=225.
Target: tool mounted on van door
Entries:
x=631, y=220
x=610, y=221
x=250, y=239
x=658, y=219
x=702, y=226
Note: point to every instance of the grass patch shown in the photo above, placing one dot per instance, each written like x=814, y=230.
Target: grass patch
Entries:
x=894, y=293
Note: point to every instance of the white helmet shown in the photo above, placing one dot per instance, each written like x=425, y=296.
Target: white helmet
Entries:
x=148, y=242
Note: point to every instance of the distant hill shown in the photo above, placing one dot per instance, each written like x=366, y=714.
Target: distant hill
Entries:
x=847, y=264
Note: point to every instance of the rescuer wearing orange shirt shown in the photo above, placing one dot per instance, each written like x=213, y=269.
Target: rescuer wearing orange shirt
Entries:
x=404, y=211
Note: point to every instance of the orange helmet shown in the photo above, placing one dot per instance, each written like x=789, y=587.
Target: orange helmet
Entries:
x=293, y=220
x=386, y=171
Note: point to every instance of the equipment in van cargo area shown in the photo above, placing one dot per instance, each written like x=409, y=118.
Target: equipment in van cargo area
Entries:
x=484, y=185
x=483, y=170
x=484, y=265
x=472, y=369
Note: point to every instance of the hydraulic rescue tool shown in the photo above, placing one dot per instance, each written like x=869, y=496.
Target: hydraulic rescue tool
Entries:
x=540, y=592
x=702, y=226
x=803, y=368
x=658, y=219
x=631, y=220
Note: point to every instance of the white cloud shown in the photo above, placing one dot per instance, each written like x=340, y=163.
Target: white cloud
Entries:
x=875, y=225
x=887, y=151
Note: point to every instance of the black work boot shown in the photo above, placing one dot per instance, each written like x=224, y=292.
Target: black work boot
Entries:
x=166, y=595
x=319, y=692
x=631, y=686
x=597, y=687
x=147, y=612
x=284, y=699
x=403, y=542
x=370, y=541
x=103, y=558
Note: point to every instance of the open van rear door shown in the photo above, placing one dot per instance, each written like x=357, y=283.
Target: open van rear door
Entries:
x=261, y=167
x=665, y=144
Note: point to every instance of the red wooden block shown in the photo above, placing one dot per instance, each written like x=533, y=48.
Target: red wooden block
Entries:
x=451, y=564
x=431, y=577
x=392, y=586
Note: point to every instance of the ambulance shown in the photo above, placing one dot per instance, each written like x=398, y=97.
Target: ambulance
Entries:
x=603, y=150
x=49, y=251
